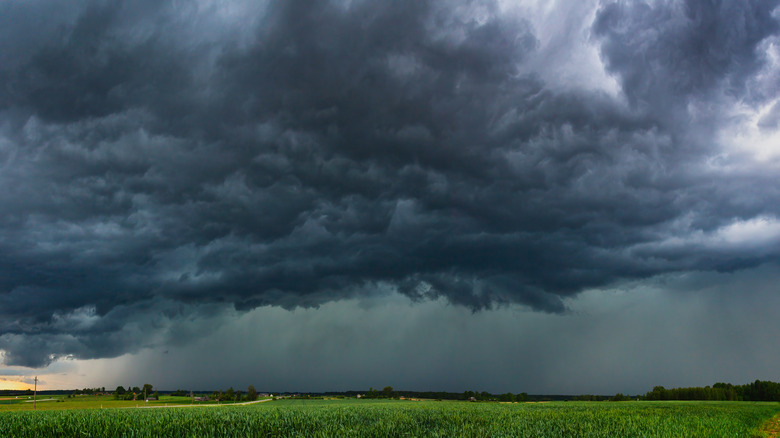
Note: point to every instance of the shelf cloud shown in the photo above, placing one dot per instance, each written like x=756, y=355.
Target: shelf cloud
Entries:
x=162, y=161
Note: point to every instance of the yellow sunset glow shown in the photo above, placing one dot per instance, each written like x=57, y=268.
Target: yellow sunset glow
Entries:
x=13, y=386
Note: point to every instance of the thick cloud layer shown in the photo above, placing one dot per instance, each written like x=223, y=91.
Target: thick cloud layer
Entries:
x=167, y=158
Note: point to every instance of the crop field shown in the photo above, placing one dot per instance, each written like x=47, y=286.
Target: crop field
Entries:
x=389, y=418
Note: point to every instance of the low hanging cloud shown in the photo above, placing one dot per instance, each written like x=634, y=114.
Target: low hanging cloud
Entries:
x=168, y=159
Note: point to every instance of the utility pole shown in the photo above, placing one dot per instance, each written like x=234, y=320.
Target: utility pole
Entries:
x=35, y=394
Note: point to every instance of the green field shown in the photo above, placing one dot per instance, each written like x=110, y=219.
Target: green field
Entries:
x=386, y=418
x=60, y=402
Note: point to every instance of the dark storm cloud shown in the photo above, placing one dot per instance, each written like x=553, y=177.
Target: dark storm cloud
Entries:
x=666, y=52
x=164, y=156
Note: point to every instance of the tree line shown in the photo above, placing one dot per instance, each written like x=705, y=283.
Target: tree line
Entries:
x=389, y=392
x=136, y=393
x=756, y=391
x=87, y=391
x=235, y=395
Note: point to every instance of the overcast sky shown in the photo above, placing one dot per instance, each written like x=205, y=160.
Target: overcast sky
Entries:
x=519, y=195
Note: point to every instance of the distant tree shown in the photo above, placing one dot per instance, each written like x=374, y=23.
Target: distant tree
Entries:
x=251, y=393
x=238, y=396
x=590, y=397
x=147, y=389
x=136, y=390
x=230, y=394
x=387, y=391
x=620, y=397
x=760, y=391
x=522, y=397
x=120, y=390
x=658, y=393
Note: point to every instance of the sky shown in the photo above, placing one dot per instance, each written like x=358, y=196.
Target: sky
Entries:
x=508, y=196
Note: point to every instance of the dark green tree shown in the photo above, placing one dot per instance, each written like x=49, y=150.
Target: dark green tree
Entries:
x=620, y=397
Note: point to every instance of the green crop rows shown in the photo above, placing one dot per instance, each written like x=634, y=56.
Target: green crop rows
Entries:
x=403, y=418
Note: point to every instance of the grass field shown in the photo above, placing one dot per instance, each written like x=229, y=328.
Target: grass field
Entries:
x=364, y=418
x=60, y=402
